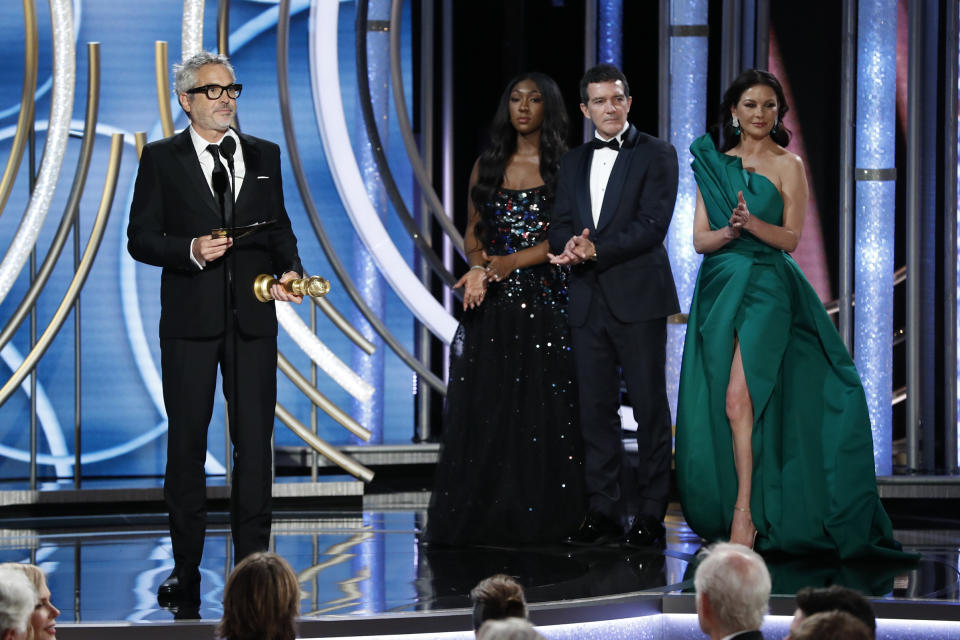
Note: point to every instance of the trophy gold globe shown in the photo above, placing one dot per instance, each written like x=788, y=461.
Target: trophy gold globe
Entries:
x=314, y=286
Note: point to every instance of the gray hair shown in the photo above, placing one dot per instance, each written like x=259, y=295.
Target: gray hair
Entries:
x=507, y=629
x=737, y=582
x=17, y=600
x=185, y=73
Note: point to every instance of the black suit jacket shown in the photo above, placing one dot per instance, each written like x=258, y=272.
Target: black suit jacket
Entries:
x=172, y=204
x=748, y=635
x=632, y=269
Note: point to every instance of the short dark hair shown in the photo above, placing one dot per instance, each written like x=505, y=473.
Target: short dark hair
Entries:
x=497, y=597
x=837, y=598
x=832, y=625
x=602, y=73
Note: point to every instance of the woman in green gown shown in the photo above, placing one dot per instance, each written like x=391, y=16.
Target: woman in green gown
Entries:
x=773, y=443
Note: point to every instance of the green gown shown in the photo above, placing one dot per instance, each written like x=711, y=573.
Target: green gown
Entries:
x=814, y=486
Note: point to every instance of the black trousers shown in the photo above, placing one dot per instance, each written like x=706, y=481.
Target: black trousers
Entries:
x=189, y=370
x=602, y=348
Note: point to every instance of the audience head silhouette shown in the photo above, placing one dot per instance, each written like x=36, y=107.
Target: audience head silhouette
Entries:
x=261, y=600
x=733, y=589
x=17, y=600
x=831, y=625
x=507, y=629
x=496, y=598
x=835, y=598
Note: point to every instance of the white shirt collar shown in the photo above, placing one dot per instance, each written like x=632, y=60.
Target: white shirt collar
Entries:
x=619, y=136
x=200, y=144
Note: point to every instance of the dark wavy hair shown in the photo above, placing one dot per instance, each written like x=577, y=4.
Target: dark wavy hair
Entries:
x=751, y=78
x=503, y=142
x=497, y=597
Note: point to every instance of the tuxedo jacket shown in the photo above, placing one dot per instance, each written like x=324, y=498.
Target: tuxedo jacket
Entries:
x=632, y=269
x=173, y=204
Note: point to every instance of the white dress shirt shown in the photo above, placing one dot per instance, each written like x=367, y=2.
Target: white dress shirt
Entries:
x=206, y=165
x=600, y=168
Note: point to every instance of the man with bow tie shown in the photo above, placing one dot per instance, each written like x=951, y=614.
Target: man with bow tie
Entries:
x=209, y=316
x=615, y=198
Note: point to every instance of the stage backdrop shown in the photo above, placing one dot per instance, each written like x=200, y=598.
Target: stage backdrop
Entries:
x=123, y=423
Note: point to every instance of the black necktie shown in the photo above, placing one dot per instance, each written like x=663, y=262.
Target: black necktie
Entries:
x=221, y=185
x=612, y=143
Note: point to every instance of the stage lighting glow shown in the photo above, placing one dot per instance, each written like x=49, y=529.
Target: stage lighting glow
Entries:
x=688, y=92
x=331, y=121
x=874, y=242
x=610, y=31
x=61, y=108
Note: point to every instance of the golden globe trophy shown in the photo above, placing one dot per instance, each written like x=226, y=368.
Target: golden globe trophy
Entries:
x=314, y=286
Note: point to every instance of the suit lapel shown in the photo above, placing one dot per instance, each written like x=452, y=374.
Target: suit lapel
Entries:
x=583, y=191
x=621, y=168
x=251, y=163
x=187, y=156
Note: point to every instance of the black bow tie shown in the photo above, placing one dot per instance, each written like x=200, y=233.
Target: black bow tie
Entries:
x=612, y=143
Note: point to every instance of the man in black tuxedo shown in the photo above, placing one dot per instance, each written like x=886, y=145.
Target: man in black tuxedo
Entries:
x=733, y=590
x=209, y=315
x=614, y=201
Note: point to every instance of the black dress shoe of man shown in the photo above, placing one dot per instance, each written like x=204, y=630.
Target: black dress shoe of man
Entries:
x=596, y=529
x=180, y=587
x=646, y=532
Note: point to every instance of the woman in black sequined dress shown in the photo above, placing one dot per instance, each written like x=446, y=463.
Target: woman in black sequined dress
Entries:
x=510, y=470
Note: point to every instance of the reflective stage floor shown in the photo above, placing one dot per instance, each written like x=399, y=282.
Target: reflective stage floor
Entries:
x=368, y=564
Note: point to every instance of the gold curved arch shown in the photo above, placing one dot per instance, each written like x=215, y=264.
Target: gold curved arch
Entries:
x=322, y=401
x=344, y=325
x=161, y=64
x=30, y=49
x=66, y=305
x=73, y=201
x=140, y=137
x=321, y=446
x=223, y=27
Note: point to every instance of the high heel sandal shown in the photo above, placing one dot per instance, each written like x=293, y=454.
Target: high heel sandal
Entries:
x=753, y=541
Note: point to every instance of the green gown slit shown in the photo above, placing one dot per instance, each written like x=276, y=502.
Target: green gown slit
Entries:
x=814, y=486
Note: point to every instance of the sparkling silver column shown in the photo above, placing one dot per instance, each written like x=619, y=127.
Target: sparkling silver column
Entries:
x=688, y=95
x=875, y=208
x=365, y=273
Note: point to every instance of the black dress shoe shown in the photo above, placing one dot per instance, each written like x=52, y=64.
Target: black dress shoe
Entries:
x=646, y=531
x=180, y=587
x=596, y=529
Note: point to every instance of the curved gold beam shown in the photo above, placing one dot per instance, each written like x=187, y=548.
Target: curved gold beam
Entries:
x=344, y=325
x=73, y=201
x=66, y=305
x=322, y=447
x=140, y=137
x=161, y=63
x=30, y=49
x=339, y=553
x=322, y=401
x=223, y=27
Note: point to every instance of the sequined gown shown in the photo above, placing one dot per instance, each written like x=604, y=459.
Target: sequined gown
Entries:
x=510, y=469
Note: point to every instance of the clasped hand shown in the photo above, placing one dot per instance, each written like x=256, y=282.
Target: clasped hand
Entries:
x=740, y=217
x=578, y=249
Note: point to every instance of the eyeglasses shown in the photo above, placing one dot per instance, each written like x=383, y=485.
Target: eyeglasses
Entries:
x=214, y=91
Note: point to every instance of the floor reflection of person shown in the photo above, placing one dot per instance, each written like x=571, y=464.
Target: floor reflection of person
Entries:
x=510, y=466
x=773, y=439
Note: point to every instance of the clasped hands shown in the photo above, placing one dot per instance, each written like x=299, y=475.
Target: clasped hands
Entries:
x=207, y=249
x=739, y=218
x=474, y=281
x=578, y=249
